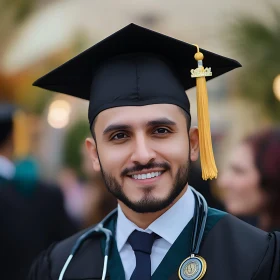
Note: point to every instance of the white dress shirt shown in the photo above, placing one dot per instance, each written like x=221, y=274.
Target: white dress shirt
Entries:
x=168, y=226
x=7, y=168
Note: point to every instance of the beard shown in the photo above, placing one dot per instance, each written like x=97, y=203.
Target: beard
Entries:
x=149, y=204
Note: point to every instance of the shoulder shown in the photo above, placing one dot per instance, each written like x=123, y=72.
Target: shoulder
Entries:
x=87, y=259
x=232, y=226
x=224, y=226
x=235, y=242
x=48, y=194
x=49, y=189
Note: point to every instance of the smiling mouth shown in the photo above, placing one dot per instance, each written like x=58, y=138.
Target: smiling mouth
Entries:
x=145, y=176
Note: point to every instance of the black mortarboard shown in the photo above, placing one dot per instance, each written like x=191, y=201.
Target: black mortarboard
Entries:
x=133, y=67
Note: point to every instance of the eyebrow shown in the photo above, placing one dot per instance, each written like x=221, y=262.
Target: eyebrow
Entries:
x=115, y=127
x=161, y=121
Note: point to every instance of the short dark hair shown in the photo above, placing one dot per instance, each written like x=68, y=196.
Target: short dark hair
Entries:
x=6, y=128
x=186, y=114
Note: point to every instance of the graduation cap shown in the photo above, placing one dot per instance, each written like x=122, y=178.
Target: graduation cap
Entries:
x=135, y=67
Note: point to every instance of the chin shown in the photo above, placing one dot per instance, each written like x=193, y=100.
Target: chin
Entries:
x=235, y=210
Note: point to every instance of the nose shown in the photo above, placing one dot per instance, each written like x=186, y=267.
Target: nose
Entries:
x=142, y=152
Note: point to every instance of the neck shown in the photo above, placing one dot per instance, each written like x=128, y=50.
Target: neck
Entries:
x=264, y=221
x=143, y=220
x=97, y=182
x=268, y=223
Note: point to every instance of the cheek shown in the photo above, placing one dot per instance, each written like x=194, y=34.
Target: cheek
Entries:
x=176, y=151
x=247, y=184
x=113, y=159
x=243, y=195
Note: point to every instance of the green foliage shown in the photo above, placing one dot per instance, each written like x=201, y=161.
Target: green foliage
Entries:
x=258, y=44
x=75, y=137
x=22, y=8
x=44, y=98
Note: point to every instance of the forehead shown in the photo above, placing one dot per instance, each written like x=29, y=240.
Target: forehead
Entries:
x=243, y=151
x=139, y=114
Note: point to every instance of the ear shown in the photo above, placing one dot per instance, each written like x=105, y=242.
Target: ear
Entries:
x=92, y=151
x=194, y=143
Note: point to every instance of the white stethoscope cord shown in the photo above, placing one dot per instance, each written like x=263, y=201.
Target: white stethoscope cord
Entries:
x=97, y=229
x=202, y=205
x=65, y=267
x=105, y=264
x=104, y=268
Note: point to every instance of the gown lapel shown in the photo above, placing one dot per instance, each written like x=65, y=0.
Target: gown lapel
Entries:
x=169, y=266
x=115, y=269
x=180, y=250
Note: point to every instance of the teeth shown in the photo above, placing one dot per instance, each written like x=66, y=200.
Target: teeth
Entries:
x=146, y=176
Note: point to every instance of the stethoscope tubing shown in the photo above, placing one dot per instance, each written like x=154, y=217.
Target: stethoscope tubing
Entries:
x=99, y=228
x=200, y=214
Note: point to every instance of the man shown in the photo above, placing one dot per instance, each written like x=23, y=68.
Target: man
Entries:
x=143, y=145
x=32, y=213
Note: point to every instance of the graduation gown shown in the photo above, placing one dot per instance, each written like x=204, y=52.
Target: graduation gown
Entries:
x=232, y=249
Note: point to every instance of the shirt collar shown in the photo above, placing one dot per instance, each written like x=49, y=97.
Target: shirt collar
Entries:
x=7, y=168
x=168, y=226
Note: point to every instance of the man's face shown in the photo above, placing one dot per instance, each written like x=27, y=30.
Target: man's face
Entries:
x=144, y=154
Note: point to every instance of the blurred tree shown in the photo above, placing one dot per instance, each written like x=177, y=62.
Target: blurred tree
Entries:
x=22, y=8
x=13, y=13
x=74, y=139
x=259, y=44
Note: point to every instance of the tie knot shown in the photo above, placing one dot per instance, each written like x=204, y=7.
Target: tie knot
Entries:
x=142, y=241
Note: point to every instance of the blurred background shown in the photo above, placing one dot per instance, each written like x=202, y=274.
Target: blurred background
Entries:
x=38, y=35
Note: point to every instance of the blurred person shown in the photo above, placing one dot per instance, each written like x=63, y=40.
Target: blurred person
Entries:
x=206, y=188
x=70, y=177
x=251, y=181
x=7, y=168
x=74, y=194
x=32, y=214
x=143, y=143
x=98, y=201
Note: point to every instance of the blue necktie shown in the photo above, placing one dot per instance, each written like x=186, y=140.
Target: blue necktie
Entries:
x=142, y=243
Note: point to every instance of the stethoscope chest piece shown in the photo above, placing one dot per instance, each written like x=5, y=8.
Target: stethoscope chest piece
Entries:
x=192, y=268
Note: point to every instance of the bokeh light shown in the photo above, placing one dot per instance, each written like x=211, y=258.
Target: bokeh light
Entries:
x=276, y=87
x=59, y=114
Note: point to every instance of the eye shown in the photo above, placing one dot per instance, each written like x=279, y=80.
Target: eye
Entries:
x=119, y=136
x=162, y=130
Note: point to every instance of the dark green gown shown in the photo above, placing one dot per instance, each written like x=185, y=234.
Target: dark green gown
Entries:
x=232, y=249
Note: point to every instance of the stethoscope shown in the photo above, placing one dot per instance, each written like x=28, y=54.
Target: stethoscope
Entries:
x=200, y=217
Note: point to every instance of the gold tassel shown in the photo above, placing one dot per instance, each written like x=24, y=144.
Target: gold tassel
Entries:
x=208, y=165
x=21, y=135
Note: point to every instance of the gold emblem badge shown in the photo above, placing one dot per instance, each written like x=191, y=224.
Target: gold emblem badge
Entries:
x=192, y=268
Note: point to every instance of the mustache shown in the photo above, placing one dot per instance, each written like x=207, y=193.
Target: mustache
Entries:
x=140, y=167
